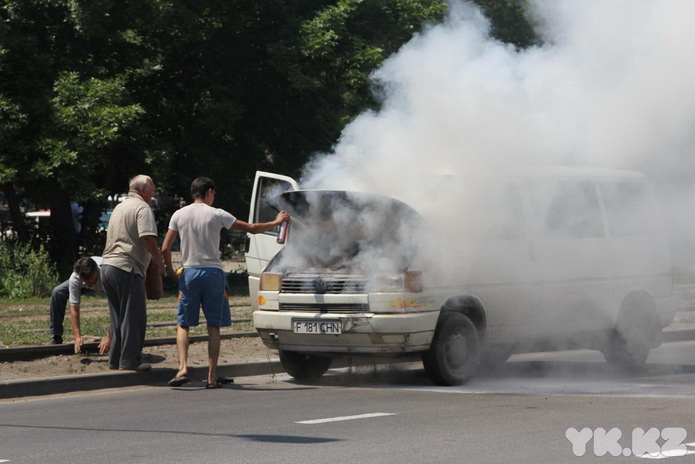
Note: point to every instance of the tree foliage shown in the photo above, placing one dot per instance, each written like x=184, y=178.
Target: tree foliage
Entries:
x=95, y=91
x=509, y=22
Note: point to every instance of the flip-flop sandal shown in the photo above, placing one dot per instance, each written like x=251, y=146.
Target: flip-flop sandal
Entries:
x=209, y=386
x=178, y=381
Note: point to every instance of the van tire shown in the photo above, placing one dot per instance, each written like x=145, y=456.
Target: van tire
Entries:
x=304, y=367
x=633, y=337
x=455, y=351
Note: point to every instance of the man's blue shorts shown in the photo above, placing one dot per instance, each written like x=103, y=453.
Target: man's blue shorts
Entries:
x=204, y=287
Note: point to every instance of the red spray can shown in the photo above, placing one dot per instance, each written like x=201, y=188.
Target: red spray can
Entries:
x=282, y=233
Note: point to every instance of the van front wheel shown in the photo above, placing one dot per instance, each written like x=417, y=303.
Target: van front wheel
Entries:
x=455, y=351
x=303, y=366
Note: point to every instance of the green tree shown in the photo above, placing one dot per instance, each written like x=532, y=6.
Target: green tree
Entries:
x=95, y=91
x=64, y=108
x=244, y=86
x=509, y=21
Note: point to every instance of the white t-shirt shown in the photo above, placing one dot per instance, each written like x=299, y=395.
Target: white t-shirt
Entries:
x=199, y=227
x=76, y=285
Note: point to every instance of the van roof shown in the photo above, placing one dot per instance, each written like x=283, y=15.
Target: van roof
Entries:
x=541, y=171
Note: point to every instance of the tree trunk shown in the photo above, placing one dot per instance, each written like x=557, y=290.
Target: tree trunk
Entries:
x=63, y=244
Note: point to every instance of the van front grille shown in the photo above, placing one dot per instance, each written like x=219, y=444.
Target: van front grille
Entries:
x=324, y=284
x=323, y=308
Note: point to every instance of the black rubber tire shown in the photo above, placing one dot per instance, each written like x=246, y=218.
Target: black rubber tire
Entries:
x=455, y=351
x=629, y=344
x=304, y=367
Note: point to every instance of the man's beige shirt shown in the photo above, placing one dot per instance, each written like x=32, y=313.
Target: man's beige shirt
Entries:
x=129, y=221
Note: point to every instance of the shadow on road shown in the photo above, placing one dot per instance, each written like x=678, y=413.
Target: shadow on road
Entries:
x=413, y=375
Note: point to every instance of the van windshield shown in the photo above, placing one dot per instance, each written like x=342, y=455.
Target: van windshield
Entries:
x=347, y=230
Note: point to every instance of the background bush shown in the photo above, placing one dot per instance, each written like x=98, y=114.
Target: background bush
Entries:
x=25, y=272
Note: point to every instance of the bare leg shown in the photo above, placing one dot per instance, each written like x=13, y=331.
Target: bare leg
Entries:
x=213, y=353
x=182, y=343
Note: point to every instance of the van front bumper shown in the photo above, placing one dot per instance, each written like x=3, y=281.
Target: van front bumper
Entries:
x=360, y=332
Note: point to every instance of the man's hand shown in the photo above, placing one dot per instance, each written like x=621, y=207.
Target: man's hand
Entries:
x=150, y=244
x=79, y=341
x=105, y=345
x=281, y=217
x=156, y=267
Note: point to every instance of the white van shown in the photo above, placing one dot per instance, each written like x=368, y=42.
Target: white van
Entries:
x=540, y=257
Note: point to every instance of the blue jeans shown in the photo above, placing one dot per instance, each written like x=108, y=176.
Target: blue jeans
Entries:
x=59, y=301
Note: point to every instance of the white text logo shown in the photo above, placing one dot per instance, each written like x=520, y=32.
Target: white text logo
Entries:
x=653, y=443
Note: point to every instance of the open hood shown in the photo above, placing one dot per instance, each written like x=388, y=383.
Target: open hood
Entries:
x=341, y=229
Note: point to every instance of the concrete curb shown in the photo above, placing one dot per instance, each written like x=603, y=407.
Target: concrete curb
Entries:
x=27, y=353
x=160, y=377
x=119, y=379
x=116, y=379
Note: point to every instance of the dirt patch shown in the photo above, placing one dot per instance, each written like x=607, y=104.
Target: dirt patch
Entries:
x=237, y=350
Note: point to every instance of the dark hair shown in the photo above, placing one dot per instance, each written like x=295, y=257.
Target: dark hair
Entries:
x=200, y=186
x=85, y=268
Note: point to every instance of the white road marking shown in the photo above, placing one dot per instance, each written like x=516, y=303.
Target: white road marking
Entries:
x=345, y=418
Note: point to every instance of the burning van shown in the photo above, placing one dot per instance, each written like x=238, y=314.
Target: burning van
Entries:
x=536, y=258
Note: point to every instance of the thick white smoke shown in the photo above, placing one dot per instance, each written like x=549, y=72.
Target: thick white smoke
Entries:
x=611, y=86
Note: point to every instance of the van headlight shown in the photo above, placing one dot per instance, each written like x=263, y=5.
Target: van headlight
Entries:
x=410, y=281
x=387, y=283
x=270, y=282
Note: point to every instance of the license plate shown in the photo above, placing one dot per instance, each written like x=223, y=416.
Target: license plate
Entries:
x=317, y=327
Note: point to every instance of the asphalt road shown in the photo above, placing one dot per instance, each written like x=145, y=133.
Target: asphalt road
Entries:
x=520, y=414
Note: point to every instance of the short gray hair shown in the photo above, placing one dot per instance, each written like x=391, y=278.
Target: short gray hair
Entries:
x=138, y=182
x=85, y=268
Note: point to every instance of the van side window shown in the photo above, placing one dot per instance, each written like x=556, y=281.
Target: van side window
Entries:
x=629, y=210
x=269, y=188
x=567, y=209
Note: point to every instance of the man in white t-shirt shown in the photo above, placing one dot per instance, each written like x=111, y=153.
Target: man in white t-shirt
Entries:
x=85, y=275
x=202, y=281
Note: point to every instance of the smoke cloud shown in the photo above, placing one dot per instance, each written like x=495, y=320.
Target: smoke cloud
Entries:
x=610, y=86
